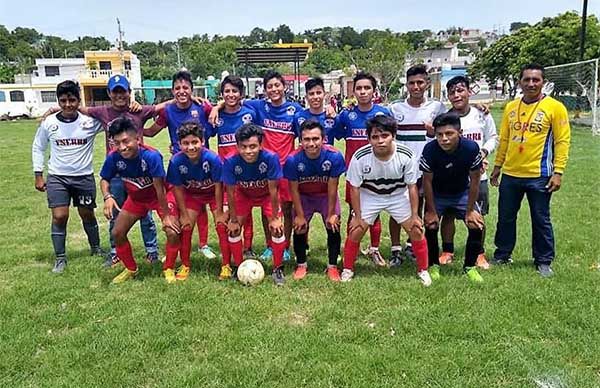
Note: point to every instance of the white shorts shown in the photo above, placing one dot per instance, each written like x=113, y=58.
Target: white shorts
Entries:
x=397, y=205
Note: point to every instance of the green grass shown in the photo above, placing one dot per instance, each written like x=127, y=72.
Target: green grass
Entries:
x=381, y=330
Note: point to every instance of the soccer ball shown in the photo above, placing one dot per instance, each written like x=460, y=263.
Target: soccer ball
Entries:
x=250, y=272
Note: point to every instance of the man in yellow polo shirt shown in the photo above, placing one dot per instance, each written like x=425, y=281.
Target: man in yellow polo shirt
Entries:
x=534, y=147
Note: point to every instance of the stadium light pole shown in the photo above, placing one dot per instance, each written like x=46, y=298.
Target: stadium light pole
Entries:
x=583, y=27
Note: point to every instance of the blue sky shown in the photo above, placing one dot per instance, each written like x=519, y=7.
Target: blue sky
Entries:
x=164, y=21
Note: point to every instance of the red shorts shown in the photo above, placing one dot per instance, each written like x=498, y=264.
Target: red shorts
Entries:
x=284, y=191
x=191, y=202
x=244, y=205
x=140, y=209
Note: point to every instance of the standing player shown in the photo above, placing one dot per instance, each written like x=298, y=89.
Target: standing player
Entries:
x=451, y=174
x=172, y=116
x=479, y=127
x=70, y=136
x=315, y=95
x=414, y=117
x=141, y=169
x=534, y=148
x=232, y=116
x=383, y=176
x=252, y=178
x=195, y=173
x=313, y=172
x=352, y=128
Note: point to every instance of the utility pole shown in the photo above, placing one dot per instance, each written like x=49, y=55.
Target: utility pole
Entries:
x=121, y=46
x=583, y=27
x=178, y=56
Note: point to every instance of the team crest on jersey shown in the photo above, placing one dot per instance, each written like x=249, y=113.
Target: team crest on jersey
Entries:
x=512, y=114
x=291, y=111
x=328, y=123
x=247, y=118
x=301, y=120
x=262, y=167
x=400, y=118
x=87, y=124
x=366, y=169
x=267, y=108
x=206, y=166
x=301, y=167
x=121, y=165
x=144, y=165
x=352, y=116
x=326, y=166
x=220, y=122
x=194, y=113
x=53, y=128
x=183, y=169
x=237, y=170
x=539, y=116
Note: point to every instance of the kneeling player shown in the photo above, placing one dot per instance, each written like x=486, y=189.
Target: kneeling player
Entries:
x=141, y=169
x=451, y=170
x=313, y=172
x=195, y=174
x=251, y=178
x=383, y=176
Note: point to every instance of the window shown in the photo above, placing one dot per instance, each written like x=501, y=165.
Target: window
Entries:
x=48, y=96
x=52, y=71
x=105, y=65
x=127, y=65
x=2, y=96
x=17, y=96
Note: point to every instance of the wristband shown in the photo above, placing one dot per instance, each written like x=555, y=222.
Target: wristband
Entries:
x=107, y=196
x=38, y=173
x=558, y=173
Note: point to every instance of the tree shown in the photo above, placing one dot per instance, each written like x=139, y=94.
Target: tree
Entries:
x=284, y=34
x=514, y=26
x=349, y=37
x=324, y=60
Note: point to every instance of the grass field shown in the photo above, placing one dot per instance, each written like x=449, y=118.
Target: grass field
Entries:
x=381, y=330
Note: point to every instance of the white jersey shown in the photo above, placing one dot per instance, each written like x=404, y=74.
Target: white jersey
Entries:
x=380, y=178
x=480, y=128
x=411, y=123
x=71, y=145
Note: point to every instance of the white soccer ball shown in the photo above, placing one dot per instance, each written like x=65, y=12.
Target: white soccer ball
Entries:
x=250, y=272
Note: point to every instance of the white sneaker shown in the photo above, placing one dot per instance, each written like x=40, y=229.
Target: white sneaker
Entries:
x=207, y=252
x=347, y=275
x=424, y=278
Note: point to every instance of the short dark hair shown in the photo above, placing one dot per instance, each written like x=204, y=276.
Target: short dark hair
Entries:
x=416, y=70
x=190, y=128
x=363, y=75
x=182, y=75
x=234, y=81
x=314, y=82
x=121, y=124
x=309, y=124
x=532, y=66
x=459, y=79
x=68, y=87
x=272, y=74
x=247, y=131
x=447, y=119
x=382, y=122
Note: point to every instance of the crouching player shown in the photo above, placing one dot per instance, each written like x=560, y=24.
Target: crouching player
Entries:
x=141, y=169
x=251, y=178
x=313, y=172
x=451, y=171
x=383, y=176
x=195, y=174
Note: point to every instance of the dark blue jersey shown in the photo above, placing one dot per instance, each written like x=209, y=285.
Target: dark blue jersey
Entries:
x=329, y=125
x=225, y=129
x=197, y=178
x=252, y=178
x=313, y=175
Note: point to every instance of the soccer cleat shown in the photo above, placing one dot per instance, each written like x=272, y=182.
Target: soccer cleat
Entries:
x=502, y=261
x=183, y=272
x=482, y=262
x=409, y=254
x=207, y=252
x=347, y=275
x=397, y=259
x=169, y=275
x=59, y=266
x=473, y=275
x=424, y=278
x=152, y=258
x=278, y=277
x=300, y=272
x=112, y=260
x=333, y=274
x=124, y=276
x=97, y=251
x=286, y=255
x=545, y=270
x=249, y=254
x=226, y=272
x=267, y=254
x=434, y=272
x=446, y=258
x=377, y=258
x=234, y=273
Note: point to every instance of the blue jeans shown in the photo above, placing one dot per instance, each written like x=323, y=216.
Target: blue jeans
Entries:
x=117, y=189
x=512, y=191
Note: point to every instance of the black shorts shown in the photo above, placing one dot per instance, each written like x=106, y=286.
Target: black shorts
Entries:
x=483, y=200
x=61, y=189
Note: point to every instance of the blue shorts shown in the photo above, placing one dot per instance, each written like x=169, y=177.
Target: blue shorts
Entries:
x=456, y=205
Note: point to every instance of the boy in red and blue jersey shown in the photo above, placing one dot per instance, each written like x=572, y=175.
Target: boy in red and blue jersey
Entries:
x=195, y=174
x=252, y=178
x=315, y=95
x=313, y=172
x=141, y=170
x=353, y=128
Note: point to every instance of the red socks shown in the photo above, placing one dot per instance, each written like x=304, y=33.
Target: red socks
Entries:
x=202, y=222
x=172, y=251
x=224, y=244
x=278, y=244
x=248, y=233
x=126, y=255
x=237, y=250
x=351, y=249
x=375, y=231
x=420, y=250
x=186, y=247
